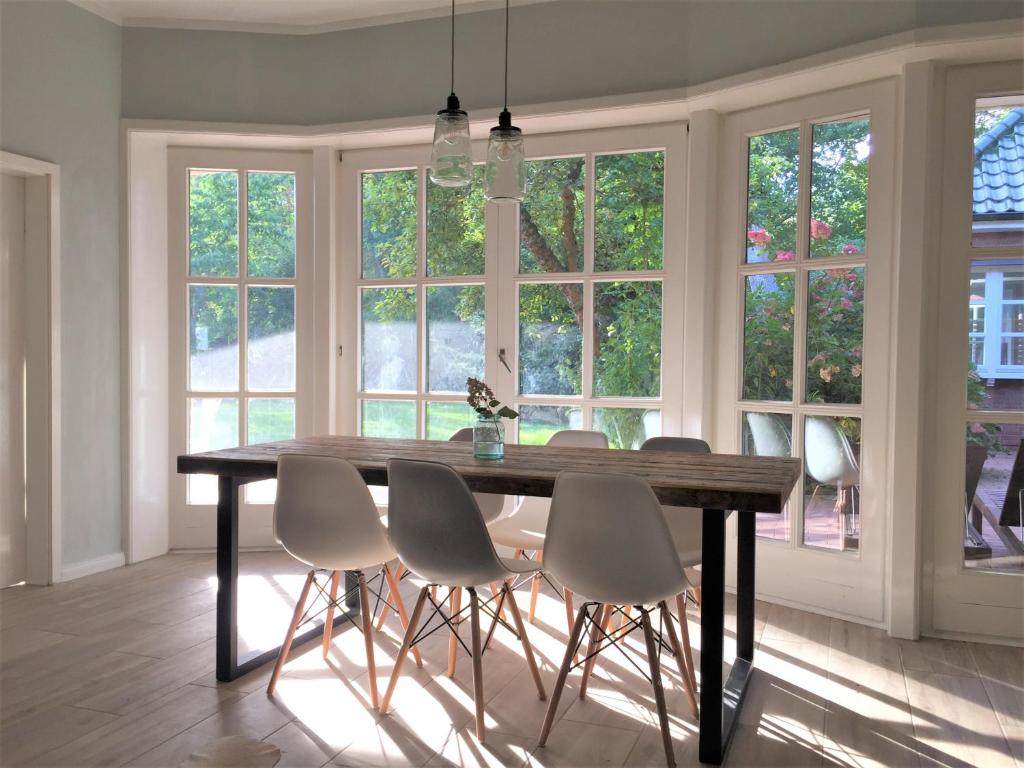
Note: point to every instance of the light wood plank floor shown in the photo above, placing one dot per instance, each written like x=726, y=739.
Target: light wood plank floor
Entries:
x=117, y=669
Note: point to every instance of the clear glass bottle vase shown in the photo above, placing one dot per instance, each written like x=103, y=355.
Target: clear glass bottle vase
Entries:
x=489, y=438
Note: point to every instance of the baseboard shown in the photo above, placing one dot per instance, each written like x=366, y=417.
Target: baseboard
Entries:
x=89, y=567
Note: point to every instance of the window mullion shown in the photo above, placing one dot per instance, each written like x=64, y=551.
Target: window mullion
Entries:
x=243, y=306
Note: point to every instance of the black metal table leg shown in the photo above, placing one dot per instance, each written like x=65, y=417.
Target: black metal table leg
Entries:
x=229, y=666
x=720, y=701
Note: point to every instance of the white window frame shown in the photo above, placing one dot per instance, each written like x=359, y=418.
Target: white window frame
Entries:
x=193, y=524
x=501, y=278
x=848, y=584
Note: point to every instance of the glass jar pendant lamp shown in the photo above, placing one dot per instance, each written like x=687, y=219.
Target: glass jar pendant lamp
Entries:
x=505, y=172
x=451, y=158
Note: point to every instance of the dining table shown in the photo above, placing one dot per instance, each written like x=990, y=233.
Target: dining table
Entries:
x=718, y=484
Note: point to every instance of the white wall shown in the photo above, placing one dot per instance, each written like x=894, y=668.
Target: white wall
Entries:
x=60, y=100
x=560, y=50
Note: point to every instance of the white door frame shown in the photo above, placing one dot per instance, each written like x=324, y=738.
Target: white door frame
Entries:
x=960, y=601
x=42, y=364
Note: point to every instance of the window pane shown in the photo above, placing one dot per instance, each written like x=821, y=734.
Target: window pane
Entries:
x=388, y=418
x=629, y=192
x=389, y=224
x=768, y=337
x=997, y=203
x=389, y=340
x=455, y=336
x=839, y=187
x=213, y=223
x=994, y=311
x=1013, y=318
x=537, y=423
x=1013, y=351
x=835, y=335
x=773, y=164
x=551, y=216
x=993, y=494
x=270, y=349
x=627, y=427
x=769, y=434
x=550, y=343
x=269, y=419
x=1013, y=283
x=213, y=337
x=445, y=419
x=832, y=482
x=627, y=339
x=271, y=226
x=455, y=228
x=212, y=425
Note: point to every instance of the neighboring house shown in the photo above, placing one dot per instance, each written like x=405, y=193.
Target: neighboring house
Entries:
x=997, y=293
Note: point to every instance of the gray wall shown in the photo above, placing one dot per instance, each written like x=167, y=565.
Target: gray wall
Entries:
x=60, y=101
x=561, y=50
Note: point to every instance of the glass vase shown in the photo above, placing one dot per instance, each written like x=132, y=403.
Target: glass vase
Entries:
x=489, y=438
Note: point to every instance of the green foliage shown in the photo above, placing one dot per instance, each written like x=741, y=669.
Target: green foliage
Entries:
x=389, y=224
x=768, y=337
x=627, y=339
x=549, y=185
x=835, y=335
x=986, y=119
x=772, y=181
x=213, y=223
x=839, y=188
x=271, y=224
x=550, y=342
x=629, y=211
x=456, y=232
x=979, y=432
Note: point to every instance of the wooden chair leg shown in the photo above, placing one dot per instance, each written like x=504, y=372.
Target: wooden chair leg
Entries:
x=626, y=609
x=286, y=646
x=494, y=593
x=535, y=589
x=478, y=667
x=453, y=643
x=410, y=633
x=684, y=628
x=563, y=673
x=531, y=662
x=371, y=666
x=385, y=609
x=602, y=619
x=659, y=692
x=329, y=620
x=392, y=580
x=696, y=598
x=433, y=593
x=684, y=672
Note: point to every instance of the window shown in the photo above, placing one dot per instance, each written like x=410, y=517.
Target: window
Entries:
x=241, y=281
x=802, y=277
x=558, y=302
x=422, y=314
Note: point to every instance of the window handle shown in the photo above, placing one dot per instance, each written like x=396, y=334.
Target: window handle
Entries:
x=502, y=360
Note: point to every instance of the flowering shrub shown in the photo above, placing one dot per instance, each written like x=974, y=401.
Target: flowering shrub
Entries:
x=835, y=335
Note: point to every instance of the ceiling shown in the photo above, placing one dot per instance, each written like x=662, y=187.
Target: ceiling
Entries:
x=282, y=16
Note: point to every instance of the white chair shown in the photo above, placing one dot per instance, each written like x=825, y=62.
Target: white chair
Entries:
x=325, y=517
x=686, y=524
x=769, y=434
x=829, y=460
x=523, y=530
x=491, y=506
x=607, y=541
x=441, y=537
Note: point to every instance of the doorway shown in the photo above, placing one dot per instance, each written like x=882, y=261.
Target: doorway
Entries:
x=30, y=541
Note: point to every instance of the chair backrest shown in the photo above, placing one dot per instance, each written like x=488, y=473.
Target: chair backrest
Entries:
x=686, y=523
x=578, y=438
x=435, y=524
x=566, y=438
x=491, y=504
x=770, y=436
x=607, y=540
x=324, y=510
x=827, y=453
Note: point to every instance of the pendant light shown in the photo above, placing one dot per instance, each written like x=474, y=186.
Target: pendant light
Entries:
x=451, y=158
x=505, y=173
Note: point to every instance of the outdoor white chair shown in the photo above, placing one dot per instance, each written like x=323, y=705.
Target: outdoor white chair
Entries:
x=769, y=434
x=325, y=517
x=607, y=541
x=523, y=530
x=441, y=537
x=829, y=460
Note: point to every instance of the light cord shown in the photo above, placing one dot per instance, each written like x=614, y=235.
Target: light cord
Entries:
x=453, y=46
x=506, y=55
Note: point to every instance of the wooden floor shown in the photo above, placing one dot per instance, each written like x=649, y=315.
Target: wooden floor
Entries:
x=117, y=669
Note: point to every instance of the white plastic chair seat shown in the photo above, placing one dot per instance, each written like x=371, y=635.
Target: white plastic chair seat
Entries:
x=524, y=528
x=326, y=557
x=686, y=526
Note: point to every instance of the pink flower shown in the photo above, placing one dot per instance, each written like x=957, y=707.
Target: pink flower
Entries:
x=784, y=255
x=825, y=374
x=850, y=248
x=976, y=428
x=856, y=370
x=851, y=276
x=759, y=236
x=820, y=230
x=847, y=304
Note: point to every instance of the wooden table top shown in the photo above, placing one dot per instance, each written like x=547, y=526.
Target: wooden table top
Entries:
x=710, y=481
